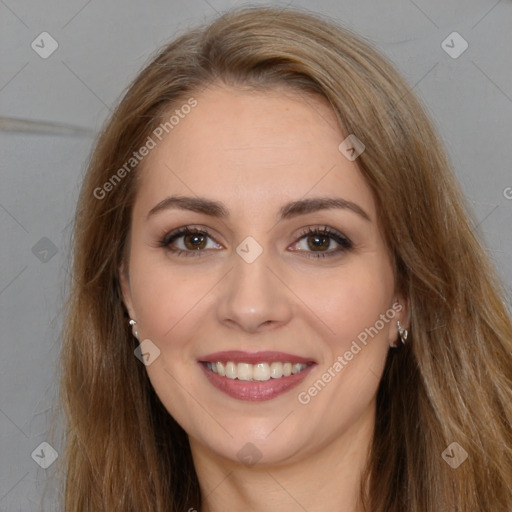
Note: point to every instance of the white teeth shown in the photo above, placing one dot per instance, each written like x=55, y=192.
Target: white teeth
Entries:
x=244, y=371
x=220, y=369
x=276, y=370
x=258, y=372
x=296, y=368
x=261, y=371
x=230, y=370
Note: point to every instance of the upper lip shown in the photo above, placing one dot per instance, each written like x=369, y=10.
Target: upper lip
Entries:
x=239, y=356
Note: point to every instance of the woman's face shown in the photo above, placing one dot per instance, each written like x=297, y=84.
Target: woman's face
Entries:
x=269, y=275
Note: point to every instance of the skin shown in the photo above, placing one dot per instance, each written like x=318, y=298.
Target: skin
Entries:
x=254, y=152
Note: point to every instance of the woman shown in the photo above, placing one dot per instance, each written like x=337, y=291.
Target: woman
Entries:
x=278, y=296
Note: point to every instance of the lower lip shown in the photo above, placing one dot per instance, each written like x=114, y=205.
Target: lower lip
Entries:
x=255, y=391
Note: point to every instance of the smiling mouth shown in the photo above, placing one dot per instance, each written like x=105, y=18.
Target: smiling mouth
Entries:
x=259, y=372
x=255, y=376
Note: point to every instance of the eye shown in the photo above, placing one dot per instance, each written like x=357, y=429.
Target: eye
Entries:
x=188, y=241
x=317, y=241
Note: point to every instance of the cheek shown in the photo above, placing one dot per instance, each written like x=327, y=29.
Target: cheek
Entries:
x=351, y=300
x=356, y=347
x=162, y=297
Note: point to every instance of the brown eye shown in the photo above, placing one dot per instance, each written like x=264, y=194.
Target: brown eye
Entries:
x=194, y=241
x=316, y=242
x=322, y=242
x=188, y=241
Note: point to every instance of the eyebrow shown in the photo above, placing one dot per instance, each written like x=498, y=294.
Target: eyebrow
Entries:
x=288, y=211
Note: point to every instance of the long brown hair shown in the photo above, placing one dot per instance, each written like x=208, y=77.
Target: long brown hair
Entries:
x=450, y=383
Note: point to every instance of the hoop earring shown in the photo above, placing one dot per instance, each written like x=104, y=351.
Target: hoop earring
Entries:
x=402, y=333
x=133, y=323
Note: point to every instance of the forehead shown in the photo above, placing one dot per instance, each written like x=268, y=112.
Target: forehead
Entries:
x=239, y=145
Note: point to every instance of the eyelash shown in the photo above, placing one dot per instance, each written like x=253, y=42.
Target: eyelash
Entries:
x=344, y=242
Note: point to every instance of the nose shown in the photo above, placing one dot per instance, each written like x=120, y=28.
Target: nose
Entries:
x=254, y=297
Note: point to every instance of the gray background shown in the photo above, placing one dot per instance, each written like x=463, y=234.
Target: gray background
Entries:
x=101, y=48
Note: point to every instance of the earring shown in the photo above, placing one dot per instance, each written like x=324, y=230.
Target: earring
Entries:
x=403, y=333
x=133, y=323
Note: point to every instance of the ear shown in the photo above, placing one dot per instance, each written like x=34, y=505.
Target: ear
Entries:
x=400, y=306
x=125, y=289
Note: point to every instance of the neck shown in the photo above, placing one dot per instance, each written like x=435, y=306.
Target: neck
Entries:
x=327, y=478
